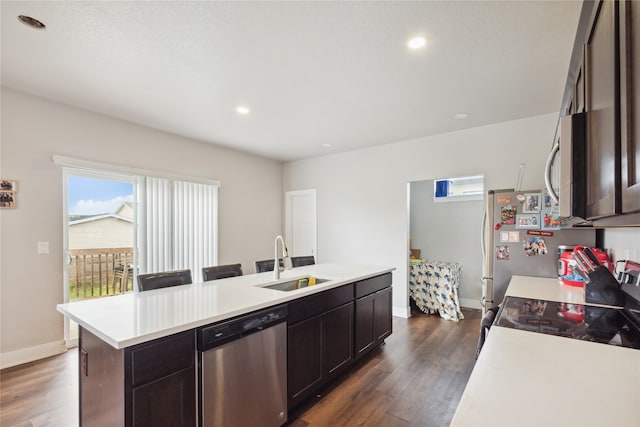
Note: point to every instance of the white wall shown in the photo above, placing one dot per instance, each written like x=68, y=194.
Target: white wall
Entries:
x=33, y=129
x=447, y=232
x=623, y=243
x=362, y=195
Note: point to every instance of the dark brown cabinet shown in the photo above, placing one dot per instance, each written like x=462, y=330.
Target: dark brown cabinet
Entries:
x=304, y=359
x=161, y=378
x=604, y=81
x=337, y=336
x=319, y=341
x=603, y=157
x=372, y=313
x=168, y=401
x=373, y=321
x=364, y=338
x=329, y=330
x=629, y=22
x=151, y=384
x=382, y=314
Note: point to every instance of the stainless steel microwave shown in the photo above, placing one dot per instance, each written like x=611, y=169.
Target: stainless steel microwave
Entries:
x=569, y=154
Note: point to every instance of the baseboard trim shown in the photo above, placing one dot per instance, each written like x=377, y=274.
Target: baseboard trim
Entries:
x=29, y=354
x=401, y=312
x=470, y=303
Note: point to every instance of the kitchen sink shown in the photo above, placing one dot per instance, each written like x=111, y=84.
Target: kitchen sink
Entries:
x=292, y=285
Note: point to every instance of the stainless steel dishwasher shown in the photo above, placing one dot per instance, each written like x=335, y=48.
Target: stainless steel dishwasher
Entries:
x=243, y=370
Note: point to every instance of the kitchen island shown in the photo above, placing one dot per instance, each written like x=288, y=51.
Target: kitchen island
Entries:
x=524, y=378
x=138, y=358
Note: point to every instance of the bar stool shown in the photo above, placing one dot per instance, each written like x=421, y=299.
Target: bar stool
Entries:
x=267, y=265
x=299, y=261
x=147, y=282
x=221, y=272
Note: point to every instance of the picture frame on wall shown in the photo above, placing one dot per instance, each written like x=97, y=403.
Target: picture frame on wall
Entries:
x=8, y=188
x=7, y=199
x=8, y=185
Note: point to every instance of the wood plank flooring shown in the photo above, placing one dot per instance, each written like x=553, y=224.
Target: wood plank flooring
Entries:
x=41, y=393
x=415, y=379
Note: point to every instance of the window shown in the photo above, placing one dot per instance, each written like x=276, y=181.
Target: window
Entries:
x=175, y=217
x=458, y=189
x=178, y=226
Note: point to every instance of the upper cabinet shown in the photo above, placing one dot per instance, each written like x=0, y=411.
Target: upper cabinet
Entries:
x=629, y=21
x=604, y=82
x=603, y=160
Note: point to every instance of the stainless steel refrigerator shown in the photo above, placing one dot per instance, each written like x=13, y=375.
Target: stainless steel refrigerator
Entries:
x=520, y=236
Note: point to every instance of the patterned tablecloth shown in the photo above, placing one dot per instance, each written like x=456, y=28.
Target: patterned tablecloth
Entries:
x=433, y=285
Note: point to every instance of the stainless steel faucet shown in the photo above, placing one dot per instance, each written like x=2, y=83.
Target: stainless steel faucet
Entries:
x=285, y=254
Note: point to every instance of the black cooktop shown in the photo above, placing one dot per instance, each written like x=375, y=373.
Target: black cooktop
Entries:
x=583, y=322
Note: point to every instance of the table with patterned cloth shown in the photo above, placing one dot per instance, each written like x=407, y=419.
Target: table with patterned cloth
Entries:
x=433, y=285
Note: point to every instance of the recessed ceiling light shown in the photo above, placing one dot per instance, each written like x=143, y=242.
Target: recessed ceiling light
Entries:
x=326, y=145
x=417, y=42
x=31, y=22
x=243, y=110
x=461, y=116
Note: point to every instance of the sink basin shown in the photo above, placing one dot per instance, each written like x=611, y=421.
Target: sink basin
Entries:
x=292, y=285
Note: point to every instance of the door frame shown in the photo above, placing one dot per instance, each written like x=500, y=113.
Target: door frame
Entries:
x=68, y=171
x=289, y=195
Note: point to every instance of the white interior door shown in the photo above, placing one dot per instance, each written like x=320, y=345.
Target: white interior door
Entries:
x=301, y=226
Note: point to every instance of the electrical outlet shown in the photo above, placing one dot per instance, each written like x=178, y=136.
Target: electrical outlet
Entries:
x=43, y=247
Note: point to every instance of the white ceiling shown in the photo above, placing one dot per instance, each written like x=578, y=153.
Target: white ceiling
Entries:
x=312, y=73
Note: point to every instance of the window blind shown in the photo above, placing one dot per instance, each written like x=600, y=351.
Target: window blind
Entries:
x=180, y=226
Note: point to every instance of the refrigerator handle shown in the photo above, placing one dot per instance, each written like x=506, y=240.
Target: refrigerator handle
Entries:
x=487, y=267
x=483, y=238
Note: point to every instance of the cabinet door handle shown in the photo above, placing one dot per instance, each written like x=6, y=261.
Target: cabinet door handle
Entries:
x=547, y=172
x=84, y=362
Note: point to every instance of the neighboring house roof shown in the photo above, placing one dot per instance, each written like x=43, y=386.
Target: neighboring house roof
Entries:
x=73, y=218
x=123, y=212
x=97, y=218
x=125, y=209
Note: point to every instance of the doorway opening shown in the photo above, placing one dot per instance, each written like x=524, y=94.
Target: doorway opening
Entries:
x=442, y=235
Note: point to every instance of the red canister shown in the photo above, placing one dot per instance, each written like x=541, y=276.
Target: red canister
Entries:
x=567, y=266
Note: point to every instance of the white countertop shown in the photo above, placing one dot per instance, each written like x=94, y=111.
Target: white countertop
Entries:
x=544, y=289
x=134, y=318
x=525, y=378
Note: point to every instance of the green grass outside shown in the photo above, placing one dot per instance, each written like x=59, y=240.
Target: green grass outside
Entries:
x=85, y=291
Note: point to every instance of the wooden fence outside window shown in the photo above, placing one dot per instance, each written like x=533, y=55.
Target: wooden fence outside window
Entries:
x=100, y=272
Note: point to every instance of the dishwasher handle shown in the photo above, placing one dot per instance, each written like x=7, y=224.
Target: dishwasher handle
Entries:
x=220, y=333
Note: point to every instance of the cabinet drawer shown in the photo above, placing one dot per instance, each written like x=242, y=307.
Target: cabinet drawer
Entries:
x=313, y=305
x=162, y=357
x=374, y=284
x=169, y=401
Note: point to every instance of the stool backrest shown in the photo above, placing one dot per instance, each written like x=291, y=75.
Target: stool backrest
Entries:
x=299, y=261
x=147, y=282
x=221, y=272
x=267, y=265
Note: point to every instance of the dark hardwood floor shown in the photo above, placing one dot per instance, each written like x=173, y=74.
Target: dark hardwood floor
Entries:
x=42, y=393
x=415, y=379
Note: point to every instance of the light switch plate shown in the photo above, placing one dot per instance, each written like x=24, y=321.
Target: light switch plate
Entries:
x=43, y=247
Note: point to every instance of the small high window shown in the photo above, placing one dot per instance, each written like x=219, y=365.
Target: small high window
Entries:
x=458, y=189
